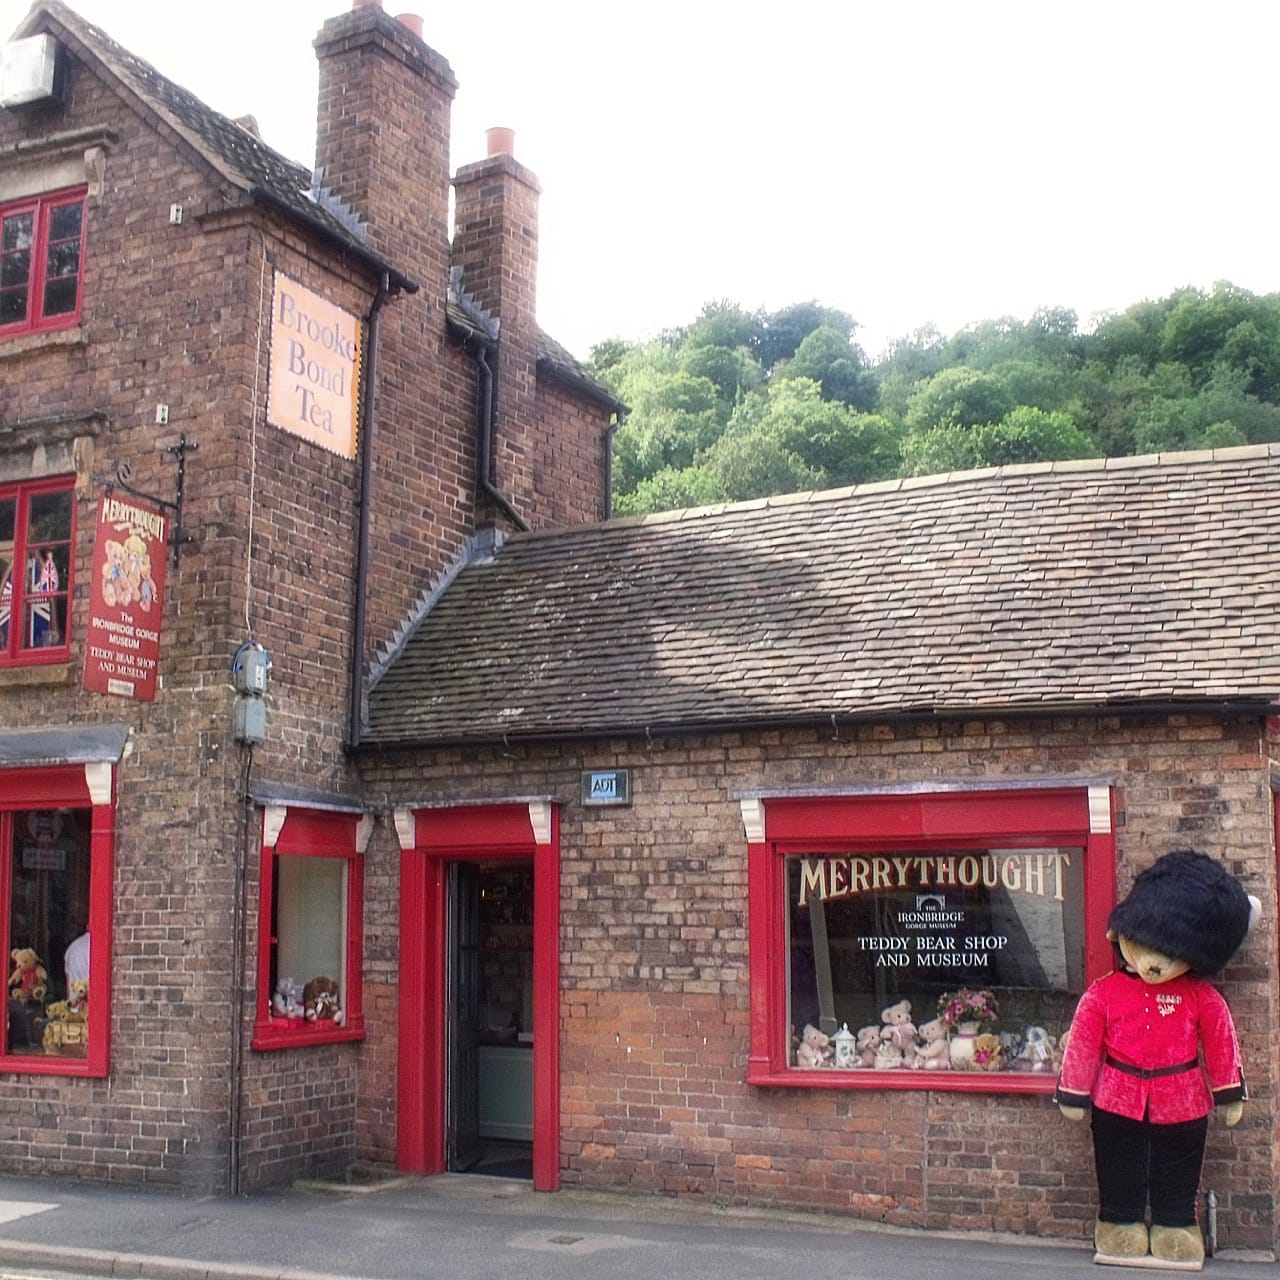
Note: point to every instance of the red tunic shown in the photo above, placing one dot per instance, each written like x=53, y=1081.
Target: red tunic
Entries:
x=1148, y=1027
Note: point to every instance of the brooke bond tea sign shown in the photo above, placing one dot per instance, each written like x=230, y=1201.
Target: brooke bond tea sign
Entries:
x=125, y=606
x=315, y=361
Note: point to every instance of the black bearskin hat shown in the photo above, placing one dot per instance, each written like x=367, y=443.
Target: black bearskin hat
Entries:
x=1186, y=906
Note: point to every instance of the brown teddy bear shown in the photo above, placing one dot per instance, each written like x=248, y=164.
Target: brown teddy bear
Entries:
x=320, y=1000
x=29, y=979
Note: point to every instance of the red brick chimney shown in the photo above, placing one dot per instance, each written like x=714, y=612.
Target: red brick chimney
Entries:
x=382, y=137
x=495, y=243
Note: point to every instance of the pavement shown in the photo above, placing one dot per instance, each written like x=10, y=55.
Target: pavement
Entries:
x=469, y=1227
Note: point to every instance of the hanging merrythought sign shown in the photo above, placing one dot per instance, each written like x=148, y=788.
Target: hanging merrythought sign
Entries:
x=122, y=649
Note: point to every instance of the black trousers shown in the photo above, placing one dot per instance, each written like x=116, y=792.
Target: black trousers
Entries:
x=1141, y=1164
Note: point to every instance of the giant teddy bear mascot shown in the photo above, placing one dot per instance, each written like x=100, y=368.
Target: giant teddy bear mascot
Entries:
x=1153, y=1048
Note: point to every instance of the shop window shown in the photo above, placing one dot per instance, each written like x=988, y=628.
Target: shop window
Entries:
x=55, y=895
x=935, y=941
x=36, y=538
x=41, y=262
x=311, y=907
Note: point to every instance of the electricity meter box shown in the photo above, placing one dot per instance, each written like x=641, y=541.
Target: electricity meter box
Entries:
x=249, y=720
x=250, y=669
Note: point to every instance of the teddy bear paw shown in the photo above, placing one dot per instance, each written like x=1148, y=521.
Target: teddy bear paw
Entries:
x=1121, y=1239
x=1177, y=1244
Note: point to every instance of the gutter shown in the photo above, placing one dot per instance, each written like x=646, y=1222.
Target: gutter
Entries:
x=355, y=690
x=619, y=418
x=831, y=724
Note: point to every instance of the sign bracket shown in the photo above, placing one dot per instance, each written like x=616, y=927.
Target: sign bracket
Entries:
x=121, y=481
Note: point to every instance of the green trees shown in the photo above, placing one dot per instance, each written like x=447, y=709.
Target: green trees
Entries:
x=739, y=405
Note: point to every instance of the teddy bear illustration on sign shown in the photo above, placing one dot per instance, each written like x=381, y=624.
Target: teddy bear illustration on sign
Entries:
x=1152, y=1048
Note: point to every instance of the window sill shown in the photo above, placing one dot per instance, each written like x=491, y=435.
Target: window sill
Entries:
x=269, y=1035
x=1016, y=1082
x=58, y=671
x=22, y=344
x=68, y=1062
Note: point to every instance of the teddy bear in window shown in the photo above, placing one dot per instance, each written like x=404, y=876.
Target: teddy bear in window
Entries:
x=320, y=1001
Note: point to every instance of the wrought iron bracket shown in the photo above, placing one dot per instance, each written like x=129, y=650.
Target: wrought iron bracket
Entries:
x=121, y=481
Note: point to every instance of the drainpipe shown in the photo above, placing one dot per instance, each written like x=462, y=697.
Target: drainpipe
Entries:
x=479, y=352
x=356, y=704
x=618, y=419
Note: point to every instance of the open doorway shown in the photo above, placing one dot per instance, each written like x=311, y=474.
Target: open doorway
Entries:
x=489, y=1018
x=516, y=835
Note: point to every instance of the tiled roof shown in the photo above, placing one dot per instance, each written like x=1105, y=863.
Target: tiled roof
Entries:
x=560, y=363
x=1130, y=582
x=468, y=317
x=239, y=156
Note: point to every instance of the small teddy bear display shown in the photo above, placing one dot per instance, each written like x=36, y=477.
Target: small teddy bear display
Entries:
x=987, y=1051
x=67, y=1025
x=899, y=1029
x=868, y=1043
x=1036, y=1053
x=815, y=1048
x=934, y=1053
x=29, y=979
x=287, y=1001
x=320, y=1001
x=888, y=1055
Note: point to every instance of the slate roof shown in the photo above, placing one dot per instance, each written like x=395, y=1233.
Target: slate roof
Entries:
x=1129, y=583
x=237, y=155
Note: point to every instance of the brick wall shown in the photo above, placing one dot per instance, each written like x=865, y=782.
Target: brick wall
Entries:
x=654, y=972
x=567, y=458
x=180, y=316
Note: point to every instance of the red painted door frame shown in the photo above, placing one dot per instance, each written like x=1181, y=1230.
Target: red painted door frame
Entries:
x=473, y=832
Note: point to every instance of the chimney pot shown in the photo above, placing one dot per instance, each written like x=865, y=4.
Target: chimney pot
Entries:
x=360, y=4
x=411, y=20
x=501, y=142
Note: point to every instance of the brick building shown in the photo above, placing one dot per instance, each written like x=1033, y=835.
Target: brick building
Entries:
x=213, y=362
x=562, y=853
x=875, y=746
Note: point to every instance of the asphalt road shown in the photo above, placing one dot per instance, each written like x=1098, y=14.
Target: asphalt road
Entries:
x=466, y=1227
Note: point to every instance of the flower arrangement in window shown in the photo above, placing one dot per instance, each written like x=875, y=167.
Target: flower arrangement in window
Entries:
x=968, y=1011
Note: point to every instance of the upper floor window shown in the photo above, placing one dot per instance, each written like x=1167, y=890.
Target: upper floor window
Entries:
x=36, y=538
x=41, y=261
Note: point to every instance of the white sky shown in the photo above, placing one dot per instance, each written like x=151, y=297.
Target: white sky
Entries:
x=907, y=161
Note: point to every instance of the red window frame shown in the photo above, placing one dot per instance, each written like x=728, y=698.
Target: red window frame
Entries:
x=15, y=589
x=42, y=209
x=310, y=833
x=1080, y=816
x=81, y=786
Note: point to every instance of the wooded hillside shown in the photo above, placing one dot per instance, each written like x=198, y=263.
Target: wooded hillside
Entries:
x=744, y=404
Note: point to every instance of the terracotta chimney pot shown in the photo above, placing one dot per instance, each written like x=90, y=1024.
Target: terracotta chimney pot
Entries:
x=501, y=142
x=411, y=20
x=360, y=4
